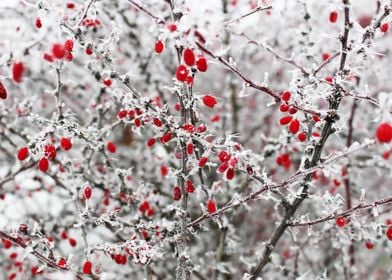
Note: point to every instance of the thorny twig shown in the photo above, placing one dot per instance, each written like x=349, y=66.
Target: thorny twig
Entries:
x=346, y=213
x=22, y=243
x=255, y=10
x=271, y=186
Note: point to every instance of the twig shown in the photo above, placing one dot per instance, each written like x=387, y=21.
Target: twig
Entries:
x=250, y=83
x=58, y=91
x=84, y=14
x=278, y=56
x=282, y=184
x=140, y=7
x=255, y=10
x=325, y=62
x=344, y=213
x=22, y=243
x=347, y=178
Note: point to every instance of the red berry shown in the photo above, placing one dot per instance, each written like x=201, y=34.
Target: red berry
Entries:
x=177, y=194
x=369, y=245
x=111, y=147
x=64, y=235
x=151, y=142
x=137, y=122
x=329, y=79
x=131, y=114
x=87, y=267
x=70, y=5
x=285, y=120
x=189, y=80
x=58, y=50
x=190, y=188
x=43, y=164
x=223, y=167
x=224, y=156
x=284, y=107
x=201, y=63
x=65, y=144
x=7, y=244
x=157, y=122
x=150, y=212
x=72, y=242
x=294, y=126
x=364, y=21
x=326, y=56
x=35, y=270
x=23, y=153
x=48, y=57
x=89, y=51
x=209, y=101
x=203, y=162
x=144, y=206
x=302, y=136
x=341, y=221
x=389, y=233
x=177, y=106
x=62, y=262
x=189, y=148
x=17, y=71
x=188, y=128
x=333, y=17
x=230, y=174
x=13, y=255
x=316, y=118
x=166, y=137
x=87, y=192
x=172, y=27
x=50, y=151
x=68, y=56
x=211, y=206
x=164, y=170
x=181, y=73
x=3, y=91
x=286, y=95
x=122, y=114
x=384, y=133
x=189, y=57
x=107, y=82
x=201, y=128
x=38, y=23
x=68, y=45
x=292, y=110
x=384, y=27
x=159, y=46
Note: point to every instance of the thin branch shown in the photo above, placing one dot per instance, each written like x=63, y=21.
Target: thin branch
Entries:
x=140, y=7
x=325, y=62
x=250, y=83
x=58, y=91
x=282, y=184
x=274, y=53
x=346, y=213
x=255, y=10
x=346, y=180
x=22, y=243
x=84, y=14
x=265, y=89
